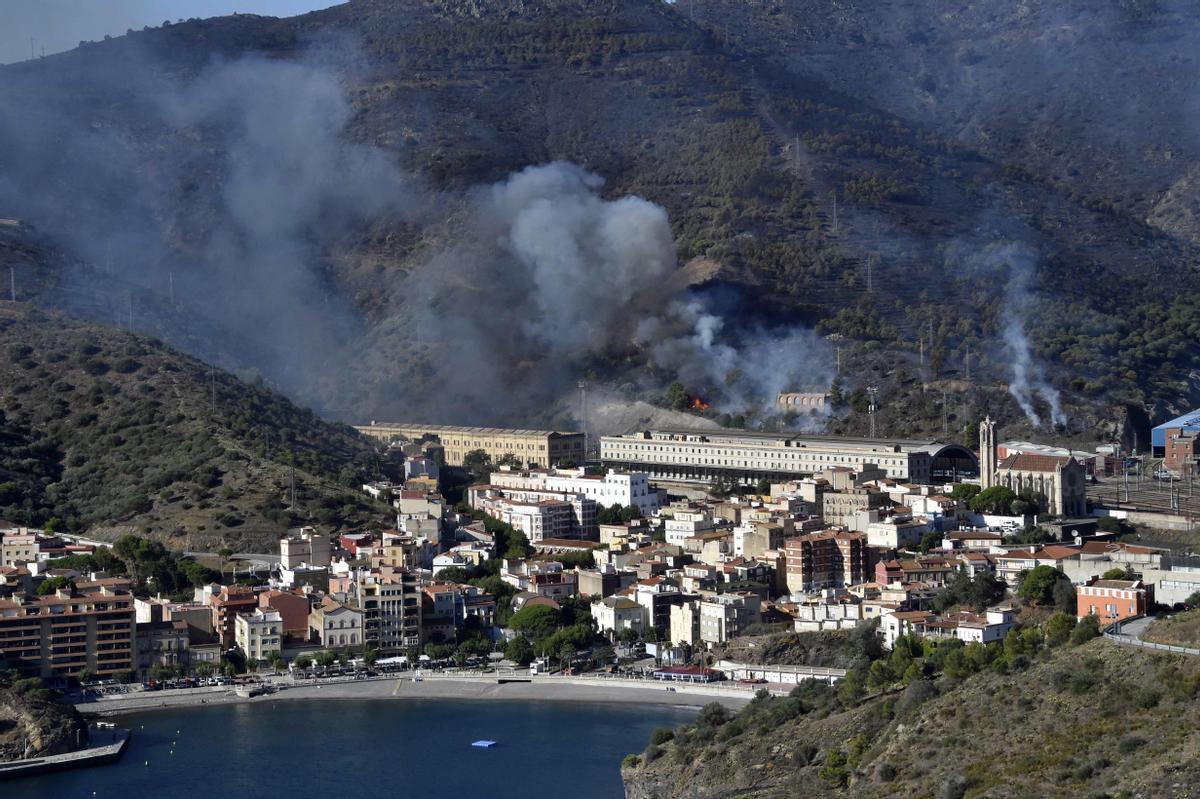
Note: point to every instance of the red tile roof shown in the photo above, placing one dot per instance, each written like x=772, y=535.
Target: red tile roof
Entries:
x=1031, y=462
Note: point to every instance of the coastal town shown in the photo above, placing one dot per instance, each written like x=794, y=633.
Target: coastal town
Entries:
x=646, y=398
x=643, y=563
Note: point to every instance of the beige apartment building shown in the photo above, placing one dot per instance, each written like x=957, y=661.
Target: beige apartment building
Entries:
x=67, y=632
x=18, y=548
x=391, y=605
x=529, y=447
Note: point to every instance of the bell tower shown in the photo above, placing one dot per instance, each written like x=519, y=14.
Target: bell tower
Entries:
x=987, y=453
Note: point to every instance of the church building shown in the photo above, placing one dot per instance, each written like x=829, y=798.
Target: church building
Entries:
x=1061, y=480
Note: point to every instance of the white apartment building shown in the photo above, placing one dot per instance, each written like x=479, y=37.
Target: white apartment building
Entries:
x=724, y=616
x=332, y=624
x=828, y=616
x=984, y=628
x=616, y=613
x=686, y=522
x=750, y=457
x=539, y=514
x=259, y=634
x=611, y=488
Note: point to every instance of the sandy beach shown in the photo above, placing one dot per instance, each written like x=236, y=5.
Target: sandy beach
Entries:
x=439, y=687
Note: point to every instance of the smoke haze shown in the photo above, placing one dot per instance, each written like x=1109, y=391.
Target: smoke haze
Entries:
x=525, y=286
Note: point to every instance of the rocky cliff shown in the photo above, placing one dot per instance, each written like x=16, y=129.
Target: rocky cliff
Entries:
x=33, y=724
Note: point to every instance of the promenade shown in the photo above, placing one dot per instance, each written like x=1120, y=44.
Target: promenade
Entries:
x=508, y=686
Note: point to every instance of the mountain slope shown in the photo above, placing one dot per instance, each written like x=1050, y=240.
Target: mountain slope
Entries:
x=1096, y=720
x=112, y=432
x=790, y=143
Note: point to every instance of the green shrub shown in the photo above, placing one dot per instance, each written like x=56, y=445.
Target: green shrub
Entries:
x=1087, y=629
x=661, y=736
x=1131, y=743
x=835, y=772
x=713, y=715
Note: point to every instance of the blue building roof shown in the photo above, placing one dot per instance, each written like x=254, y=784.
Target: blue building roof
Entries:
x=1189, y=421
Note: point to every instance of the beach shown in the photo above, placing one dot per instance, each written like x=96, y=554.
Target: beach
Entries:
x=542, y=689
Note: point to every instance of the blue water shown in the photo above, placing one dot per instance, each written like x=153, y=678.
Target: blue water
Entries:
x=397, y=749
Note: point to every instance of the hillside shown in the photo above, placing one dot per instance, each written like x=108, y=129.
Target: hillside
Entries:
x=845, y=173
x=1178, y=629
x=112, y=432
x=1091, y=720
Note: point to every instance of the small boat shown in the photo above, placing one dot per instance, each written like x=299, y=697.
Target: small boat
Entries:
x=484, y=744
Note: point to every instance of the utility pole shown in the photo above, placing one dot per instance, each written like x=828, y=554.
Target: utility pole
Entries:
x=835, y=225
x=967, y=361
x=945, y=416
x=872, y=391
x=839, y=360
x=930, y=324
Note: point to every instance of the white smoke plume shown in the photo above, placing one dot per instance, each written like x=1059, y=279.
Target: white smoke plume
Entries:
x=1015, y=264
x=552, y=279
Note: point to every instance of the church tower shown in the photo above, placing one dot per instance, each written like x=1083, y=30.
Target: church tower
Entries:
x=987, y=453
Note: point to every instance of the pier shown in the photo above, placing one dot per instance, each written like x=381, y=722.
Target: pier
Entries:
x=96, y=755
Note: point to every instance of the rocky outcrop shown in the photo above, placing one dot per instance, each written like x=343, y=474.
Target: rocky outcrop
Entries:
x=33, y=724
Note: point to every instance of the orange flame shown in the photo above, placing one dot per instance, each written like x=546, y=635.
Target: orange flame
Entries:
x=699, y=404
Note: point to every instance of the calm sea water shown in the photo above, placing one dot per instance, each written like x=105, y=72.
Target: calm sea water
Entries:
x=412, y=748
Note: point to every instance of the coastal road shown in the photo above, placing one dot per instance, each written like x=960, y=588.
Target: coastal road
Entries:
x=255, y=561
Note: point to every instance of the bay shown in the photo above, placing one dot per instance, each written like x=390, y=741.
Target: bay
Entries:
x=368, y=748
